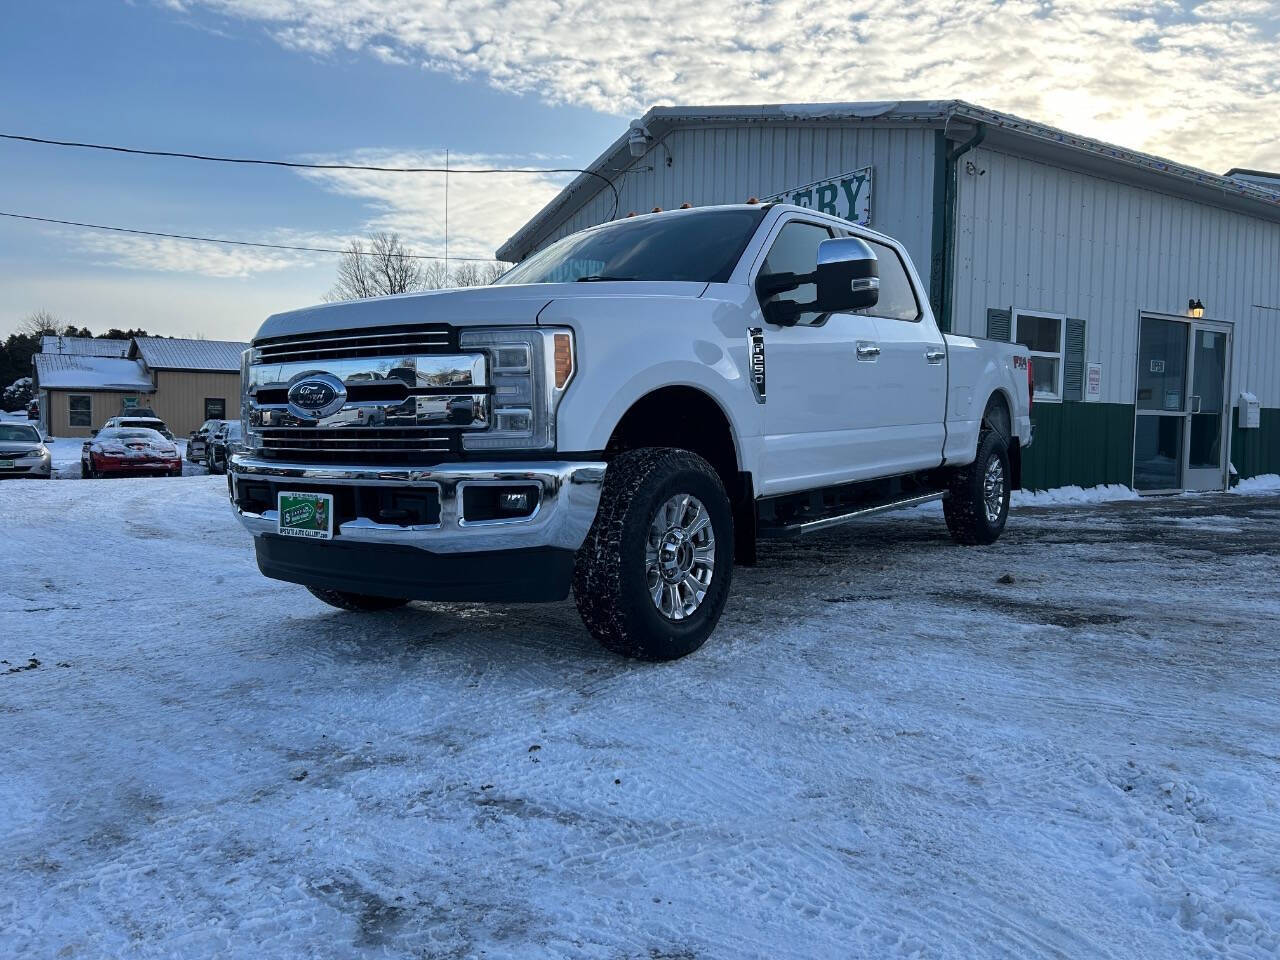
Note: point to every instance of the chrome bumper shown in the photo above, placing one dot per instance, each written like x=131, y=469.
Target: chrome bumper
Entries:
x=569, y=493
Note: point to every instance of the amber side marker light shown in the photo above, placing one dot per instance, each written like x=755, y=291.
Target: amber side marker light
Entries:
x=563, y=359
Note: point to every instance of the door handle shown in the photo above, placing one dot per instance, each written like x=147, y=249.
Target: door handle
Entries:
x=1197, y=401
x=867, y=350
x=935, y=356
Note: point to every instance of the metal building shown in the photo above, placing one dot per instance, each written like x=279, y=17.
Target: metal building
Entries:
x=1148, y=291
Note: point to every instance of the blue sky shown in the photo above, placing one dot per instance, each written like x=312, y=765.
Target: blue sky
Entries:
x=512, y=82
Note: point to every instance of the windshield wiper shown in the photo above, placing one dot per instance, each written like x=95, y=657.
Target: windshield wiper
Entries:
x=598, y=277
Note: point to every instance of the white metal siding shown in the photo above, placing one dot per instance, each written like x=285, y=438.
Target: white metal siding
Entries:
x=729, y=164
x=1036, y=236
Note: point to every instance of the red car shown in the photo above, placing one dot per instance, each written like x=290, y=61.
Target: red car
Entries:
x=129, y=452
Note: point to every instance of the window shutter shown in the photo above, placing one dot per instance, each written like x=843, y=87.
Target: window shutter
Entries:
x=1073, y=362
x=999, y=324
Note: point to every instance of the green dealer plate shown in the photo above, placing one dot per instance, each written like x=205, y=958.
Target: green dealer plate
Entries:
x=306, y=515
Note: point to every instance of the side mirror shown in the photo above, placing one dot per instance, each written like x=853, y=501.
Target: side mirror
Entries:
x=93, y=433
x=848, y=276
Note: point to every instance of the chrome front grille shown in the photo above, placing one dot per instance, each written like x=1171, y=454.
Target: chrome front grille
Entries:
x=357, y=445
x=387, y=341
x=410, y=393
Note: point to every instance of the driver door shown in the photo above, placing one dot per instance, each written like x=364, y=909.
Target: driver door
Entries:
x=822, y=375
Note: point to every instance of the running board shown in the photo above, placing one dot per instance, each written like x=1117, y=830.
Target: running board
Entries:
x=822, y=523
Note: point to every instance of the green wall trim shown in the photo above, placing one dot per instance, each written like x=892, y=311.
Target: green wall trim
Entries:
x=938, y=245
x=1085, y=444
x=1256, y=451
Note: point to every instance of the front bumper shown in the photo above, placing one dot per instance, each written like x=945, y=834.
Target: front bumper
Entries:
x=518, y=558
x=42, y=468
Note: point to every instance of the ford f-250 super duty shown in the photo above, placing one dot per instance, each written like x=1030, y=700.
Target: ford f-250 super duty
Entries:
x=623, y=414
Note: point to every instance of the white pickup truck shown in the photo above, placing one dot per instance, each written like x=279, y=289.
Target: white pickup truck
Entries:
x=625, y=414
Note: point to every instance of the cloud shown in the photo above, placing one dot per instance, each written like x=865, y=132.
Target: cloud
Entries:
x=483, y=210
x=1195, y=81
x=164, y=255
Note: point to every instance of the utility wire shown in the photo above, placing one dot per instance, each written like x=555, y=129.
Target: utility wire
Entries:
x=233, y=243
x=301, y=165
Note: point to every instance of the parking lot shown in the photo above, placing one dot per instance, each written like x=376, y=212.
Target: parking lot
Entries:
x=1067, y=744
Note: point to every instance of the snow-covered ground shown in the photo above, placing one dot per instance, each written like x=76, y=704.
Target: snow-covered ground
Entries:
x=1065, y=745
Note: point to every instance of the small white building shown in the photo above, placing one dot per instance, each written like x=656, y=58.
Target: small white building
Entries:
x=1147, y=290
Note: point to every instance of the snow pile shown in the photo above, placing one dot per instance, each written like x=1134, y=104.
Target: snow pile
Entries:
x=1265, y=483
x=892, y=747
x=1064, y=496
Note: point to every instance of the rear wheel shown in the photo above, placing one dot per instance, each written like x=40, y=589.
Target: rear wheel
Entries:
x=977, y=503
x=358, y=602
x=215, y=465
x=653, y=575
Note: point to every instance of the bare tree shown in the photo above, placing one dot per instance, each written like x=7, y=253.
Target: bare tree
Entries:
x=493, y=271
x=467, y=274
x=386, y=267
x=435, y=276
x=39, y=324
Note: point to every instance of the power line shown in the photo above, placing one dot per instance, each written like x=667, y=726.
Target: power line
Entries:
x=302, y=165
x=233, y=243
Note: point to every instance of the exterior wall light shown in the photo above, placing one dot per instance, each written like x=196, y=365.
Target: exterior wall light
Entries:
x=1195, y=309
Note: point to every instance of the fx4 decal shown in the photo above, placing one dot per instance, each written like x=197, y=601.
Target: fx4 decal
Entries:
x=755, y=340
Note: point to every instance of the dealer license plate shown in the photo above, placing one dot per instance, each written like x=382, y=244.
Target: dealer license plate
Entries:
x=6, y=464
x=306, y=515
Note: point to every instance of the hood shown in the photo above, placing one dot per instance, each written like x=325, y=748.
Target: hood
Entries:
x=18, y=446
x=505, y=305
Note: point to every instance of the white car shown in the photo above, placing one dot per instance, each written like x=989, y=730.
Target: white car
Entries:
x=23, y=453
x=649, y=398
x=141, y=423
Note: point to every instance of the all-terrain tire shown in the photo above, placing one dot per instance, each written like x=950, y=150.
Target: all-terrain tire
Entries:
x=610, y=584
x=357, y=602
x=965, y=505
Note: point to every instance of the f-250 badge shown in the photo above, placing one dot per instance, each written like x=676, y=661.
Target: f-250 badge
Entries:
x=755, y=337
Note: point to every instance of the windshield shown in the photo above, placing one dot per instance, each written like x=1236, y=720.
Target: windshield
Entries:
x=699, y=245
x=15, y=432
x=119, y=434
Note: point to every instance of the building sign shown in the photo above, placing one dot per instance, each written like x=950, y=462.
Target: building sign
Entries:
x=1093, y=382
x=847, y=196
x=129, y=403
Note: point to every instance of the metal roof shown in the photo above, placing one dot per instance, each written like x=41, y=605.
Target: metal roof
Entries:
x=85, y=346
x=168, y=353
x=956, y=117
x=65, y=371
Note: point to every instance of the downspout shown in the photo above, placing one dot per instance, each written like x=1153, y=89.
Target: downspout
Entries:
x=942, y=260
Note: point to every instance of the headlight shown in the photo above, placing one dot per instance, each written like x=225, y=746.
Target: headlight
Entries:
x=529, y=370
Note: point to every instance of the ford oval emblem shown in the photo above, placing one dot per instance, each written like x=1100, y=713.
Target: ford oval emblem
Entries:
x=314, y=396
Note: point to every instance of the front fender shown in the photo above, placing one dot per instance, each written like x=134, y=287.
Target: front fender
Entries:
x=630, y=347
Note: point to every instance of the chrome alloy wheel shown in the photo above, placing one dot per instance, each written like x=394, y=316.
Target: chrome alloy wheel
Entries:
x=680, y=556
x=993, y=489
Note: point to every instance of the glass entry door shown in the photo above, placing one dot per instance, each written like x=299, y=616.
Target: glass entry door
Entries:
x=1180, y=429
x=1209, y=412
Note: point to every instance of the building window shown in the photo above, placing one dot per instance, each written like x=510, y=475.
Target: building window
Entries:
x=1044, y=335
x=80, y=410
x=215, y=408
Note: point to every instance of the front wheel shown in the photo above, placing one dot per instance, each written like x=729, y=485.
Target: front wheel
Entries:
x=357, y=602
x=653, y=575
x=976, y=506
x=214, y=465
